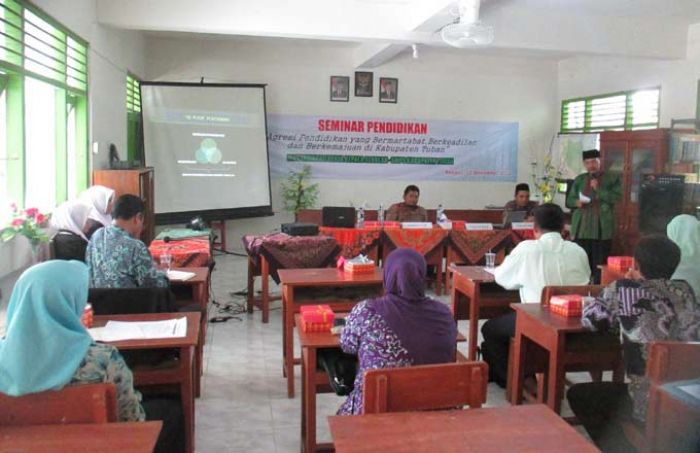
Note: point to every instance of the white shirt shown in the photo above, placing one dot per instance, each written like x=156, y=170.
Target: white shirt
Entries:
x=549, y=260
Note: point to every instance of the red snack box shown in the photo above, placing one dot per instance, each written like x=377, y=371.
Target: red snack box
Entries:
x=620, y=263
x=359, y=268
x=568, y=305
x=316, y=318
x=459, y=224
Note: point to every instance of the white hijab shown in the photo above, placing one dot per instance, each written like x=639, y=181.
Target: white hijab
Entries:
x=684, y=230
x=98, y=197
x=71, y=216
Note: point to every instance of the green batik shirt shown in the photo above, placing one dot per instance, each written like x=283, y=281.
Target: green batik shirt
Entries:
x=116, y=260
x=103, y=363
x=595, y=220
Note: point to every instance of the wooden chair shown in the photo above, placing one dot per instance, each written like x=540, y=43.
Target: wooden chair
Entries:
x=668, y=361
x=592, y=354
x=86, y=403
x=425, y=387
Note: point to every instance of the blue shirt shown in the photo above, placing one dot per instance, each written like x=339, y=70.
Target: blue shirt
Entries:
x=116, y=260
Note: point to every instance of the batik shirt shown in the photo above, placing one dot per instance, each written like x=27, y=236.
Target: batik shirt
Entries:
x=116, y=260
x=103, y=363
x=644, y=311
x=367, y=335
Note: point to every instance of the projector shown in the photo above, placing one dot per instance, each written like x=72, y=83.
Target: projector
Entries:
x=300, y=229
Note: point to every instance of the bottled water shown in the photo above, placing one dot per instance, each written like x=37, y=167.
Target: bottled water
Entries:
x=360, y=217
x=441, y=217
x=380, y=214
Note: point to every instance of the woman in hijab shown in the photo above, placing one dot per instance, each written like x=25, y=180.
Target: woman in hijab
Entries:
x=402, y=328
x=684, y=230
x=46, y=348
x=101, y=199
x=69, y=242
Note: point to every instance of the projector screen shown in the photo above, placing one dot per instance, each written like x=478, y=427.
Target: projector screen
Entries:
x=208, y=146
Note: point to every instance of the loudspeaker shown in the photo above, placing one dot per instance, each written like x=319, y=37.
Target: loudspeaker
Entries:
x=660, y=200
x=300, y=229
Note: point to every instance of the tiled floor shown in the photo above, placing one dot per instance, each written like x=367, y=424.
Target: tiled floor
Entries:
x=244, y=406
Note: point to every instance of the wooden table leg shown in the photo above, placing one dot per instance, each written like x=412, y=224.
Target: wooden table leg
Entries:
x=473, y=295
x=518, y=374
x=202, y=297
x=288, y=337
x=555, y=379
x=187, y=395
x=265, y=273
x=251, y=285
x=308, y=400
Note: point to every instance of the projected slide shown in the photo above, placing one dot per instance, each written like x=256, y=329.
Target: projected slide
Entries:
x=208, y=147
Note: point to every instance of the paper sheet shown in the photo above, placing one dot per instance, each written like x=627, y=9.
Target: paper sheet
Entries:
x=583, y=198
x=180, y=276
x=692, y=390
x=146, y=330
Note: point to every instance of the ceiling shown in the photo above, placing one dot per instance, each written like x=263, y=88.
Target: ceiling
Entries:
x=381, y=29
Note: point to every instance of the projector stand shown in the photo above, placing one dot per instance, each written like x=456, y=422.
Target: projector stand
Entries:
x=220, y=242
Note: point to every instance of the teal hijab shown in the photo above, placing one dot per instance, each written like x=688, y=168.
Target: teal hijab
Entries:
x=45, y=341
x=684, y=230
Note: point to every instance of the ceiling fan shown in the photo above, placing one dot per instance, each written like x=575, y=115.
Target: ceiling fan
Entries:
x=467, y=30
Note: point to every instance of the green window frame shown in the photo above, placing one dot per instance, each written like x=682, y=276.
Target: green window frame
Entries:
x=35, y=45
x=134, y=123
x=625, y=110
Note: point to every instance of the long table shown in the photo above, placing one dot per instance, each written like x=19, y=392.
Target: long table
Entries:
x=132, y=437
x=307, y=286
x=182, y=375
x=521, y=428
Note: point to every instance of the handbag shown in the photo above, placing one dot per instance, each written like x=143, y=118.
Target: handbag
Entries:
x=341, y=369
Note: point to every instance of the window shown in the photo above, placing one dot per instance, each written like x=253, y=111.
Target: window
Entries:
x=134, y=126
x=630, y=110
x=43, y=109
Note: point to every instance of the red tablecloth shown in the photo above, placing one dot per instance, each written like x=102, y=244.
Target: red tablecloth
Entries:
x=473, y=245
x=424, y=241
x=283, y=251
x=353, y=241
x=191, y=252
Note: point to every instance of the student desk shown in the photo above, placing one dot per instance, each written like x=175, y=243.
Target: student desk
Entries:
x=132, y=437
x=515, y=428
x=535, y=323
x=183, y=375
x=341, y=290
x=674, y=417
x=313, y=381
x=200, y=295
x=473, y=286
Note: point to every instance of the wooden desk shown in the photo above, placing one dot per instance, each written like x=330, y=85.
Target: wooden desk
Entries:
x=674, y=417
x=299, y=284
x=182, y=375
x=200, y=295
x=609, y=275
x=473, y=286
x=132, y=437
x=313, y=381
x=535, y=323
x=522, y=428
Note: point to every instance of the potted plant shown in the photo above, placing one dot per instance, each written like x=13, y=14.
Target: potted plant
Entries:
x=28, y=223
x=297, y=192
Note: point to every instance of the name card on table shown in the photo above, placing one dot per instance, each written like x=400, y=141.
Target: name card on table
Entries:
x=522, y=225
x=479, y=226
x=416, y=225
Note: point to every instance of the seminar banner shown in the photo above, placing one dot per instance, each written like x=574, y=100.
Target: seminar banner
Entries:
x=373, y=148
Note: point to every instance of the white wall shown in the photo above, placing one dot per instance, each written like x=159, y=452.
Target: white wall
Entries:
x=587, y=76
x=441, y=84
x=111, y=54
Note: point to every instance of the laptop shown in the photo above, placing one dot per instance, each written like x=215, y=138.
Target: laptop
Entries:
x=338, y=217
x=514, y=216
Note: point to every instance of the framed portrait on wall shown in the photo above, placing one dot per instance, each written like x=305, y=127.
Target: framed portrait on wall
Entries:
x=364, y=84
x=340, y=89
x=388, y=90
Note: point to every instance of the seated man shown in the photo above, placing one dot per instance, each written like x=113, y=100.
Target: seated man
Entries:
x=115, y=258
x=532, y=265
x=646, y=306
x=521, y=202
x=408, y=211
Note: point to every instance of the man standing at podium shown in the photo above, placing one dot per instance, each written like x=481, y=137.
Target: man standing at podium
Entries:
x=593, y=195
x=408, y=211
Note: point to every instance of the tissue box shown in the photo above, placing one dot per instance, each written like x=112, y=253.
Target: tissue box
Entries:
x=316, y=318
x=620, y=263
x=359, y=268
x=568, y=305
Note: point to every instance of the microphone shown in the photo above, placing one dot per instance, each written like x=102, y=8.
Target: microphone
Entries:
x=166, y=239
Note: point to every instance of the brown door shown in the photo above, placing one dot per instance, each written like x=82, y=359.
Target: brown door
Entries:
x=643, y=157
